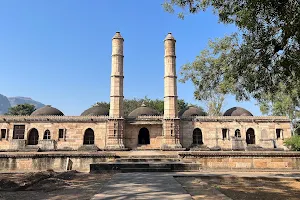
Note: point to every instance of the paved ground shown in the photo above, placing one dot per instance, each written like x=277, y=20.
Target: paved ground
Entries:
x=164, y=185
x=142, y=186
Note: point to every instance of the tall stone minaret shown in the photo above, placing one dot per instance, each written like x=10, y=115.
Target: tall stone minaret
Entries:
x=116, y=84
x=171, y=120
x=115, y=126
x=170, y=79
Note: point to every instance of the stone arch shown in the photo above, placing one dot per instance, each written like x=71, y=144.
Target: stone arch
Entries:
x=89, y=136
x=250, y=136
x=144, y=136
x=47, y=135
x=33, y=137
x=197, y=136
x=237, y=133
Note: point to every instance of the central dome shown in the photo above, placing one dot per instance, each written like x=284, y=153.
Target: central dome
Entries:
x=237, y=111
x=191, y=111
x=47, y=110
x=96, y=110
x=143, y=111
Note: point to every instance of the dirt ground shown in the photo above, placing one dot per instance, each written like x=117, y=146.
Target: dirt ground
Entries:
x=238, y=188
x=51, y=185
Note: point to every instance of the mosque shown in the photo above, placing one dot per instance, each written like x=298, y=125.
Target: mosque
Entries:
x=47, y=129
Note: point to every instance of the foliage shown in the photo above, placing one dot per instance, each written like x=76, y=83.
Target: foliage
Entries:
x=281, y=104
x=215, y=105
x=293, y=142
x=21, y=109
x=255, y=62
x=157, y=104
x=102, y=104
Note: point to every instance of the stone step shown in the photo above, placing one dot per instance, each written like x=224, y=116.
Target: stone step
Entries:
x=172, y=166
x=161, y=169
x=148, y=160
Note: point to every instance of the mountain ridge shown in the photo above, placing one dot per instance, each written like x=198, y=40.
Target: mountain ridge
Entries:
x=7, y=102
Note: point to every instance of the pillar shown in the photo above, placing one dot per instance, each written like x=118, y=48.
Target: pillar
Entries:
x=115, y=126
x=171, y=121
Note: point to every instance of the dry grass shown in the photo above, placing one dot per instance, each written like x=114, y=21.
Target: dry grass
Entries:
x=238, y=188
x=67, y=185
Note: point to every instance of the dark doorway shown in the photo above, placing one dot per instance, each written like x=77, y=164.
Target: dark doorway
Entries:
x=33, y=137
x=89, y=137
x=250, y=136
x=197, y=136
x=144, y=137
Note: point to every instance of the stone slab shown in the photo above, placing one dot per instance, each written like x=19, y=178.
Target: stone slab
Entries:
x=142, y=186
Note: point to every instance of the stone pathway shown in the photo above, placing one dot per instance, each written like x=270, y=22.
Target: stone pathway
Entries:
x=142, y=186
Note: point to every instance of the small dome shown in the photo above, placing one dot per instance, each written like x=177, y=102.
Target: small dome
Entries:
x=95, y=111
x=237, y=111
x=169, y=37
x=118, y=36
x=143, y=111
x=47, y=110
x=191, y=111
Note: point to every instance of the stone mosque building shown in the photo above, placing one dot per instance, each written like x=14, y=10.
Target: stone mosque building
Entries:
x=48, y=129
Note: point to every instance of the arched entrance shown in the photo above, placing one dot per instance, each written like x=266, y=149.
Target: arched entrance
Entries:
x=250, y=136
x=197, y=136
x=89, y=137
x=144, y=137
x=33, y=137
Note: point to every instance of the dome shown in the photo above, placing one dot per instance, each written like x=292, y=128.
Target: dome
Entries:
x=169, y=37
x=96, y=111
x=143, y=111
x=47, y=110
x=237, y=111
x=191, y=111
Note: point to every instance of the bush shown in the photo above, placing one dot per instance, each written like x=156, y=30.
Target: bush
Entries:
x=293, y=143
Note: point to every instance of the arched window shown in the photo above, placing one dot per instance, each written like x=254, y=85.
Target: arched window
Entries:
x=197, y=136
x=89, y=137
x=33, y=137
x=250, y=136
x=144, y=136
x=47, y=135
x=237, y=133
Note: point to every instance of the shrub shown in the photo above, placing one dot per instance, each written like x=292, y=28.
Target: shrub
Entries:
x=293, y=143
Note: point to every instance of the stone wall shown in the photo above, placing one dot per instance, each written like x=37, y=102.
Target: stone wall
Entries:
x=132, y=133
x=73, y=137
x=244, y=160
x=265, y=133
x=57, y=162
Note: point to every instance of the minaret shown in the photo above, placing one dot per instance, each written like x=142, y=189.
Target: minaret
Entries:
x=170, y=79
x=171, y=120
x=116, y=84
x=115, y=126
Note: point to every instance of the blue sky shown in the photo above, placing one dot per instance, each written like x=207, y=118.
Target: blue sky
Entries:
x=58, y=52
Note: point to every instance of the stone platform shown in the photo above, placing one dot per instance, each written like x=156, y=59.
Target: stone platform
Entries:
x=206, y=160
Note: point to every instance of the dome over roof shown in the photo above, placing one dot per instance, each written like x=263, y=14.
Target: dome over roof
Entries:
x=47, y=110
x=95, y=111
x=191, y=111
x=169, y=37
x=143, y=111
x=237, y=111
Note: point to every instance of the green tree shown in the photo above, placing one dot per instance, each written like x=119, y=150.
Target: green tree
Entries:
x=21, y=109
x=293, y=142
x=281, y=104
x=215, y=104
x=157, y=104
x=102, y=104
x=254, y=62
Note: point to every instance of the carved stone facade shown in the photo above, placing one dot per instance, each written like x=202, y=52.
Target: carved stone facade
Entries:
x=238, y=130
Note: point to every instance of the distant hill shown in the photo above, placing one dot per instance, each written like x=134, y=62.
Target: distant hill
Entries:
x=7, y=102
x=4, y=104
